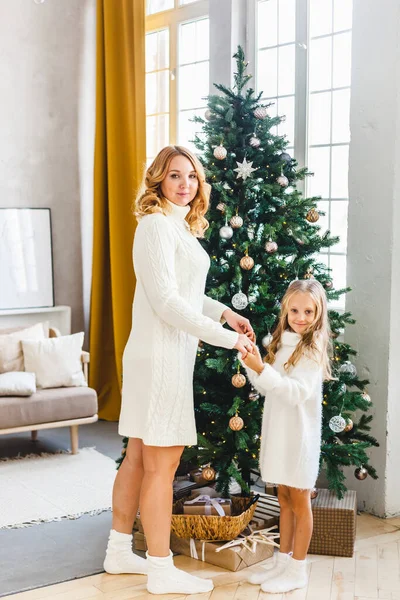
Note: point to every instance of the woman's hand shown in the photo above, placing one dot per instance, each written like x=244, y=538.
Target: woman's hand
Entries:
x=244, y=345
x=253, y=360
x=239, y=324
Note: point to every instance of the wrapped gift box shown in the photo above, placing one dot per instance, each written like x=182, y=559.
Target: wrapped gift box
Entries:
x=267, y=509
x=334, y=524
x=233, y=558
x=205, y=505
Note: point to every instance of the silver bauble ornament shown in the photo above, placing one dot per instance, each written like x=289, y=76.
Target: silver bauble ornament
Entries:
x=285, y=156
x=253, y=396
x=240, y=301
x=329, y=285
x=271, y=247
x=283, y=180
x=348, y=368
x=220, y=152
x=236, y=222
x=226, y=232
x=208, y=115
x=267, y=339
x=337, y=424
x=361, y=473
x=254, y=142
x=260, y=113
x=366, y=397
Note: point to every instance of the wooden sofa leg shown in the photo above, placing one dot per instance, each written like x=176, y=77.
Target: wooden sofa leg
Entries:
x=34, y=435
x=74, y=439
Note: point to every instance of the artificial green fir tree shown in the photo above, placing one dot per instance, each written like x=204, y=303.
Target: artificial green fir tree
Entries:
x=263, y=234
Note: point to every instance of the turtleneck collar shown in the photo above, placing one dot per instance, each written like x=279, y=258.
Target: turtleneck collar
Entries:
x=177, y=212
x=290, y=338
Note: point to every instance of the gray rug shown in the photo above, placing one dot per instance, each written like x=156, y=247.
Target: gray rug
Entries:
x=50, y=553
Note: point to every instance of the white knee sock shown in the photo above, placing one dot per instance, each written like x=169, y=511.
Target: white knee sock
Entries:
x=273, y=567
x=292, y=578
x=119, y=555
x=165, y=578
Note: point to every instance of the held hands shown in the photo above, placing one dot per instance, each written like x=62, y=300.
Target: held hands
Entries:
x=244, y=345
x=239, y=324
x=253, y=360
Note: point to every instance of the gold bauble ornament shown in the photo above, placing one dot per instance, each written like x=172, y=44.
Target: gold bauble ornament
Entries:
x=238, y=380
x=236, y=222
x=271, y=247
x=349, y=425
x=312, y=216
x=220, y=152
x=236, y=423
x=208, y=473
x=246, y=263
x=361, y=473
x=309, y=274
x=313, y=493
x=267, y=339
x=221, y=206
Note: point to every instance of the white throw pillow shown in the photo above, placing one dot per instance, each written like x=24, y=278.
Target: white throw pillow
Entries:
x=17, y=383
x=56, y=362
x=11, y=355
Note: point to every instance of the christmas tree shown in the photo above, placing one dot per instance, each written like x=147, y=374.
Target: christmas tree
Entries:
x=263, y=234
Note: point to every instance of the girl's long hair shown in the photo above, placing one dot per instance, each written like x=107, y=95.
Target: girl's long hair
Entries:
x=150, y=198
x=316, y=340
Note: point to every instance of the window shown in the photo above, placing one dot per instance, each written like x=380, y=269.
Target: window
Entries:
x=303, y=57
x=177, y=70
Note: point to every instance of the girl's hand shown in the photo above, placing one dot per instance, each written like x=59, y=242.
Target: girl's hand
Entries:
x=239, y=323
x=254, y=361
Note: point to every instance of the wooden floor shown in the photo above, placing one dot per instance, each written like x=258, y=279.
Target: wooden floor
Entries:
x=373, y=573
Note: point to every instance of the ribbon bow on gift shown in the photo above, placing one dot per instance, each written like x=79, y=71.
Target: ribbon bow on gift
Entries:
x=250, y=541
x=209, y=502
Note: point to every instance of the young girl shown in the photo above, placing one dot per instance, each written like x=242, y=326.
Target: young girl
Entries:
x=291, y=379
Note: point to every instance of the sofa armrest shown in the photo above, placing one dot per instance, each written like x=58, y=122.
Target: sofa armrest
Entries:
x=85, y=358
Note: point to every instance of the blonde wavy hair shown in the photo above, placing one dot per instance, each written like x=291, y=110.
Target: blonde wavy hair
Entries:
x=150, y=198
x=316, y=340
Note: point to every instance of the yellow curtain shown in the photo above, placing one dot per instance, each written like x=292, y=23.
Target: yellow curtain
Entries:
x=118, y=167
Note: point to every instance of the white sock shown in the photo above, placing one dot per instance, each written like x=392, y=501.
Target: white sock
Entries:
x=165, y=578
x=273, y=567
x=292, y=578
x=119, y=556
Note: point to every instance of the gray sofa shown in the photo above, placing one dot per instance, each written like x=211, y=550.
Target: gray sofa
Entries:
x=50, y=408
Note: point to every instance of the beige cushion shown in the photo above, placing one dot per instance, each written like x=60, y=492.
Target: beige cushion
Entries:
x=11, y=355
x=47, y=406
x=17, y=383
x=56, y=362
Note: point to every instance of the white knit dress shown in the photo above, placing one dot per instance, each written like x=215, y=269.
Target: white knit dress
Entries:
x=292, y=419
x=170, y=314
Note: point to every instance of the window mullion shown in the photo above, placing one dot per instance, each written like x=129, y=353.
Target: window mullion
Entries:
x=301, y=85
x=173, y=85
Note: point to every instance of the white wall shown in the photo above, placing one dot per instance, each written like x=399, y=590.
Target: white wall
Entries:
x=46, y=122
x=374, y=236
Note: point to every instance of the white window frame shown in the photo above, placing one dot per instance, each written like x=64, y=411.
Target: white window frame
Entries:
x=171, y=19
x=300, y=141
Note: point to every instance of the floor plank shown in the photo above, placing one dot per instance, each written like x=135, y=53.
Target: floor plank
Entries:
x=372, y=574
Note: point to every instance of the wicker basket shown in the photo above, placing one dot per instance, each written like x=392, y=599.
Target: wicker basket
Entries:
x=212, y=528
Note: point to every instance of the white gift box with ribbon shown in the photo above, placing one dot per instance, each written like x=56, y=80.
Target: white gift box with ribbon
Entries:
x=221, y=506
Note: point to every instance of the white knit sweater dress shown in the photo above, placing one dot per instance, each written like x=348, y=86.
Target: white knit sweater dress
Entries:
x=170, y=314
x=292, y=419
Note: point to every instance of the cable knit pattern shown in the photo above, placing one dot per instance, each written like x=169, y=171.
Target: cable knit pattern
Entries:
x=170, y=314
x=292, y=419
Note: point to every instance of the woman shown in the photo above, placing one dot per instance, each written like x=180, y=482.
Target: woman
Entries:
x=170, y=315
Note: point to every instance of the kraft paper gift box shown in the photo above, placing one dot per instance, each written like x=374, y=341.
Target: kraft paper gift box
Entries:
x=233, y=558
x=205, y=505
x=267, y=509
x=334, y=524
